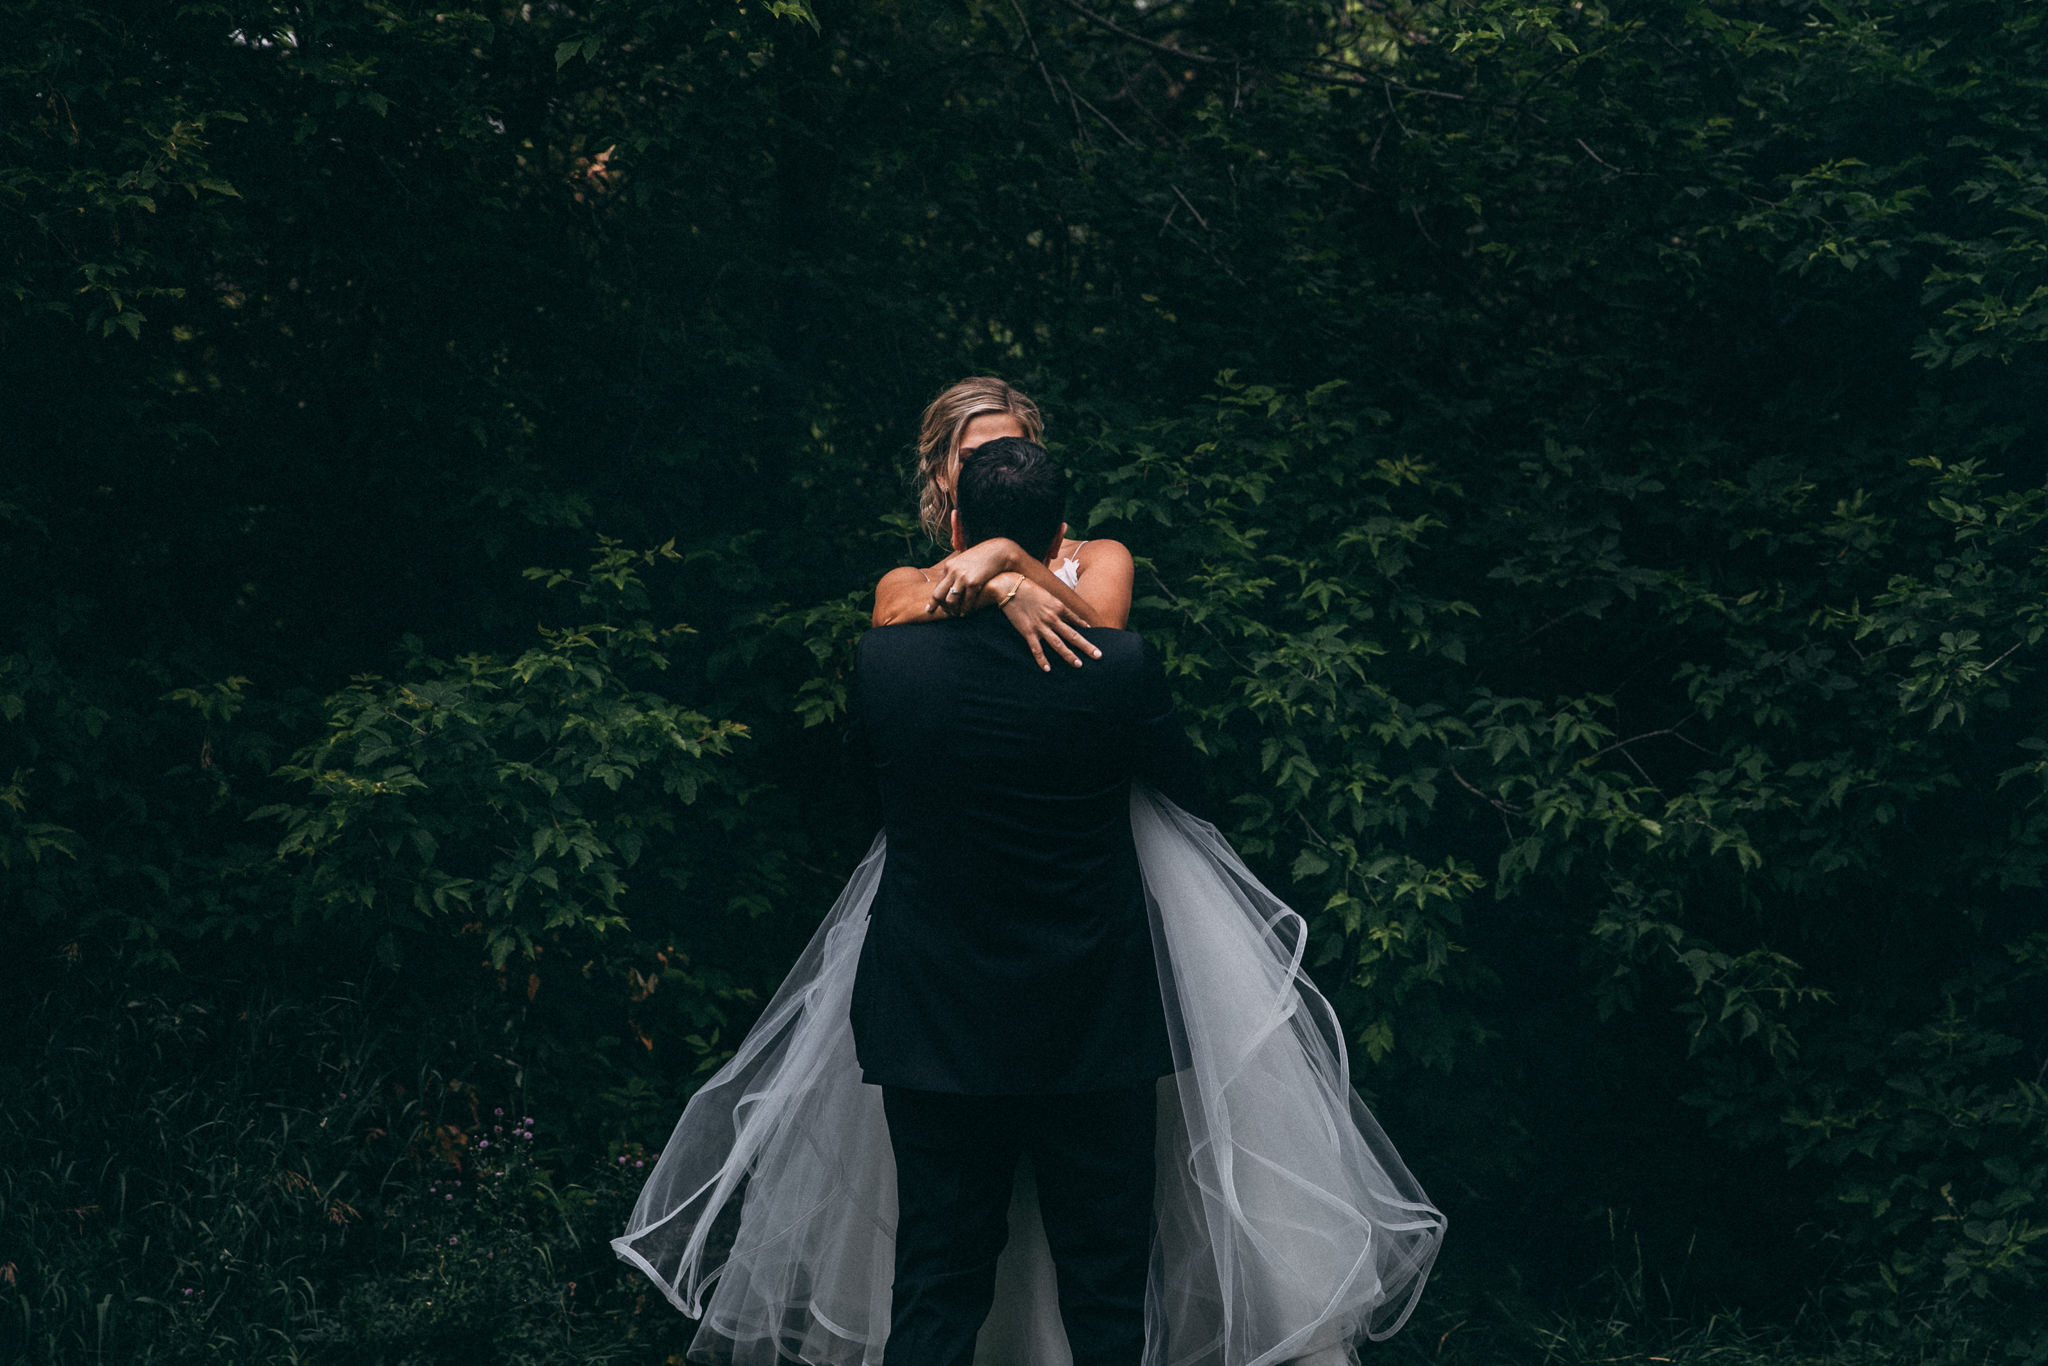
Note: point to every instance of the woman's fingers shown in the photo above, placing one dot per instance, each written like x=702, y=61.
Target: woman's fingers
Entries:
x=958, y=589
x=948, y=594
x=1059, y=647
x=1069, y=628
x=1049, y=627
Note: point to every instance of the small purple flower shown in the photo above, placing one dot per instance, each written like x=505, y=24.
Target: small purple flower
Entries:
x=622, y=1159
x=447, y=1197
x=452, y=1241
x=483, y=1143
x=528, y=1121
x=639, y=1164
x=188, y=1289
x=500, y=1110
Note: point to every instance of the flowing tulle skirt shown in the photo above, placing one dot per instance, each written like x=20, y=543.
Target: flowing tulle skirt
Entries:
x=1288, y=1227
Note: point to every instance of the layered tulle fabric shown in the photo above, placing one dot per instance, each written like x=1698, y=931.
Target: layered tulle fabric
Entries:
x=1289, y=1228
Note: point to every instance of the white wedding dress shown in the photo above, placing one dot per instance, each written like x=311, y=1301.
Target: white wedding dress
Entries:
x=1288, y=1228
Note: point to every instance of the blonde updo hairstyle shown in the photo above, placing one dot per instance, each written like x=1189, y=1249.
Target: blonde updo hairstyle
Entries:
x=938, y=441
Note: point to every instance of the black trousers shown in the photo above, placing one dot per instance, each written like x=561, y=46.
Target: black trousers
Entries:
x=956, y=1157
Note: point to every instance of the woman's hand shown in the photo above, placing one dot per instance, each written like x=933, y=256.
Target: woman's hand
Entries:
x=911, y=595
x=1044, y=621
x=961, y=580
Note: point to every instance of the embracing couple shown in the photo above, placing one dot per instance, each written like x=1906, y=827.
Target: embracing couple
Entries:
x=1049, y=1084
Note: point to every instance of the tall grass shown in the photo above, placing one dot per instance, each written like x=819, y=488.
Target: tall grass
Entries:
x=1626, y=1317
x=229, y=1176
x=267, y=1179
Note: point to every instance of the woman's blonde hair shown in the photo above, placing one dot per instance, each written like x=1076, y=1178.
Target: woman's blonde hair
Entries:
x=938, y=440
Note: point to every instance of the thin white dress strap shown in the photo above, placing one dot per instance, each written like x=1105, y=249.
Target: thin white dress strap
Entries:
x=1069, y=571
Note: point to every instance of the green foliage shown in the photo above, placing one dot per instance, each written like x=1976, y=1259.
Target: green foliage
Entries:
x=1279, y=543
x=502, y=797
x=1608, y=582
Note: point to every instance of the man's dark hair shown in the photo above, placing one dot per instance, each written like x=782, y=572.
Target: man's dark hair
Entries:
x=1010, y=487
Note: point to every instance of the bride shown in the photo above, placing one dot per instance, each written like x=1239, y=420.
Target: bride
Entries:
x=1287, y=1227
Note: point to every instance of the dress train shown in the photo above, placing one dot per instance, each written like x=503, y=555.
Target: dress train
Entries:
x=1288, y=1227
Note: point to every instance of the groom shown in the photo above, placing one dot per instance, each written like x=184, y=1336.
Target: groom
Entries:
x=1007, y=1001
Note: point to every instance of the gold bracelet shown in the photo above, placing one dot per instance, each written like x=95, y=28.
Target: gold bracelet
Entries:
x=1013, y=592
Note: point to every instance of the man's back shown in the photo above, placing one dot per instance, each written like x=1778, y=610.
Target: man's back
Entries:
x=1009, y=949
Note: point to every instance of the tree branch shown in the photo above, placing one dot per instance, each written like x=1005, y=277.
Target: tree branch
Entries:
x=1169, y=49
x=1495, y=802
x=1383, y=79
x=1602, y=160
x=1043, y=71
x=1108, y=122
x=1670, y=730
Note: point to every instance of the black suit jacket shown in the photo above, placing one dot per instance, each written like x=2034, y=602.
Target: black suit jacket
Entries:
x=1008, y=949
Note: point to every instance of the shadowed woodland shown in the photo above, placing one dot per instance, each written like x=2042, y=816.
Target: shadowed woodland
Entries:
x=1586, y=467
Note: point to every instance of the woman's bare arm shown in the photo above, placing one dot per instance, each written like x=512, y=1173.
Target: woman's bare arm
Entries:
x=1047, y=624
x=961, y=582
x=1039, y=604
x=1106, y=574
x=908, y=595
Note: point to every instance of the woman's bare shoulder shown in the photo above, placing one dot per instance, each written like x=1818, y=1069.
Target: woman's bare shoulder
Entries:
x=901, y=575
x=1100, y=551
x=899, y=596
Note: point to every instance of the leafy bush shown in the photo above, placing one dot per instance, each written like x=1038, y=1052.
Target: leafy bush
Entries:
x=500, y=795
x=1631, y=666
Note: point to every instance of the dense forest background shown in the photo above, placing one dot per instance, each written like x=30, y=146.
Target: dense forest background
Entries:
x=1586, y=463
